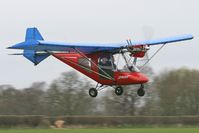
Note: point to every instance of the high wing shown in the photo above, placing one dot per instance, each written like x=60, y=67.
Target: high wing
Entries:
x=34, y=45
x=34, y=41
x=111, y=47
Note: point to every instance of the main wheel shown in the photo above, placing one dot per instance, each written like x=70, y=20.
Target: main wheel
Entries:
x=93, y=92
x=119, y=90
x=140, y=92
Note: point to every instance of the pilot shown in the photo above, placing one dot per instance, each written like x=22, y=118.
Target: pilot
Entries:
x=105, y=63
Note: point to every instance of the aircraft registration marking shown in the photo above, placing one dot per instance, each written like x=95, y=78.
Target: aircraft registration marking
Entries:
x=123, y=77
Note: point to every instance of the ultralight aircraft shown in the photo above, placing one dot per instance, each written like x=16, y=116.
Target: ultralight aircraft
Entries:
x=97, y=61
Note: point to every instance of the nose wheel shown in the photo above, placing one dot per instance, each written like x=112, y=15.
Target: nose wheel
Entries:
x=141, y=91
x=119, y=90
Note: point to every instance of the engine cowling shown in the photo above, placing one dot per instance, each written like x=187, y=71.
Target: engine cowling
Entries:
x=138, y=51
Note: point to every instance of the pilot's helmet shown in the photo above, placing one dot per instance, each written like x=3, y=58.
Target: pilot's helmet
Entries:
x=104, y=59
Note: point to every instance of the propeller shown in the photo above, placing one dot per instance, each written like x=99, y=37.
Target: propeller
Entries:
x=148, y=33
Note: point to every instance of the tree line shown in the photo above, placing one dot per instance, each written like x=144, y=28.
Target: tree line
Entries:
x=171, y=93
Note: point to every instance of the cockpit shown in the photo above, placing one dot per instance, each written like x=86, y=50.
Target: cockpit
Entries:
x=116, y=63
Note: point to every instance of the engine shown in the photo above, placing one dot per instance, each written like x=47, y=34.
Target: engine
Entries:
x=138, y=51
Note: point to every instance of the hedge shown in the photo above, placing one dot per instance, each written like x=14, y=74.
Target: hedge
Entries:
x=21, y=120
x=127, y=120
x=45, y=121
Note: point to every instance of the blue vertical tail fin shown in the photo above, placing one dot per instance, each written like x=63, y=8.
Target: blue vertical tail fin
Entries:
x=35, y=57
x=33, y=34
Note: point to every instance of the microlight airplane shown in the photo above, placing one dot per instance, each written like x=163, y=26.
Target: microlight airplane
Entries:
x=96, y=61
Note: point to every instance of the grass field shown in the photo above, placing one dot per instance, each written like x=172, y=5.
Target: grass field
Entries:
x=105, y=130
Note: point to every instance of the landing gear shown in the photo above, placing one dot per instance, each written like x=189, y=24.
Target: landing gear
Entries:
x=141, y=91
x=93, y=92
x=119, y=90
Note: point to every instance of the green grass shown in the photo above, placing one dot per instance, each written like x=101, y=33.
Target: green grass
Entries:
x=104, y=130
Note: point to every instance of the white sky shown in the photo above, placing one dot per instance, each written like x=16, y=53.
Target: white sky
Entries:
x=95, y=21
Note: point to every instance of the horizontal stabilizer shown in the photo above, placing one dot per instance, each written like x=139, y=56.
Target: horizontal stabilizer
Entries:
x=16, y=54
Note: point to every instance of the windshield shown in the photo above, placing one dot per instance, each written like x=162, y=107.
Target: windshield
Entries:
x=121, y=65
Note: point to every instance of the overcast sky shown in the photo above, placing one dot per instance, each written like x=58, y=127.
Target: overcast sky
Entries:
x=95, y=21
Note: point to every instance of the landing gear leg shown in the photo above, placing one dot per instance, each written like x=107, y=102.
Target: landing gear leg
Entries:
x=119, y=90
x=141, y=91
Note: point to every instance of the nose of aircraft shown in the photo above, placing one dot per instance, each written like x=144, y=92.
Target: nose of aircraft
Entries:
x=139, y=78
x=143, y=78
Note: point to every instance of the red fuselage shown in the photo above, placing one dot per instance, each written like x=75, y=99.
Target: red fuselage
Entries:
x=91, y=70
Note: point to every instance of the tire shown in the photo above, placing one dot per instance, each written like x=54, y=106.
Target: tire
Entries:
x=93, y=92
x=119, y=91
x=140, y=92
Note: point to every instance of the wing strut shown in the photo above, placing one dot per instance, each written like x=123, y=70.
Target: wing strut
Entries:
x=152, y=56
